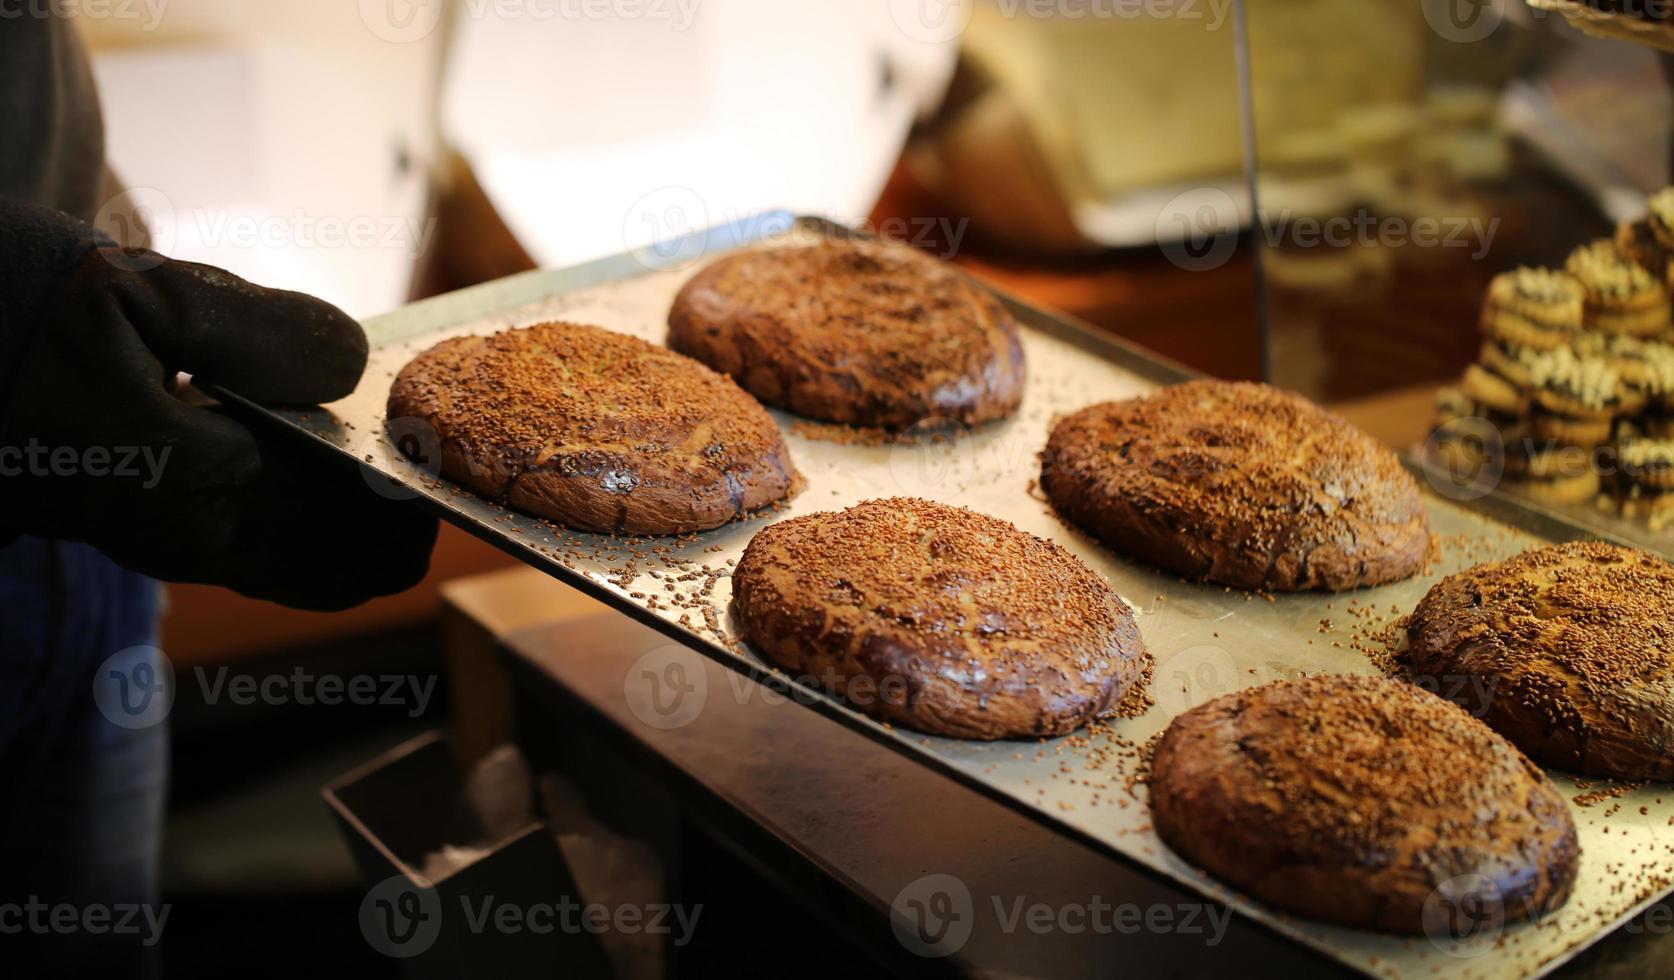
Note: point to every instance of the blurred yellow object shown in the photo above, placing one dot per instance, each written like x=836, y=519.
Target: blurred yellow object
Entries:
x=1116, y=107
x=1605, y=24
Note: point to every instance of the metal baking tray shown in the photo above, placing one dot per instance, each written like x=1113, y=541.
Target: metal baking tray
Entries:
x=1206, y=640
x=1587, y=519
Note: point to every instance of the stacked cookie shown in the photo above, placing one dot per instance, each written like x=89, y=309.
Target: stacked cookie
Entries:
x=1574, y=364
x=1623, y=298
x=1645, y=480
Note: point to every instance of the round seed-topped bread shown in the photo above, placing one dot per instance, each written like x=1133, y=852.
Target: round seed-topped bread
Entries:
x=938, y=618
x=1573, y=645
x=1238, y=483
x=596, y=430
x=856, y=332
x=1355, y=800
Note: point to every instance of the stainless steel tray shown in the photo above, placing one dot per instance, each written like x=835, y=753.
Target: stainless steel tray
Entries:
x=1206, y=640
x=1583, y=519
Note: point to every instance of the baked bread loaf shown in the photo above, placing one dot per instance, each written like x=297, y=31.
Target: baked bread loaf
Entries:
x=1574, y=645
x=596, y=430
x=938, y=618
x=1238, y=483
x=1354, y=800
x=857, y=332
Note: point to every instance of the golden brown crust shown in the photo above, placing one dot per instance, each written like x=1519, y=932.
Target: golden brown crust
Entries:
x=857, y=332
x=938, y=618
x=1577, y=645
x=596, y=430
x=1238, y=483
x=1354, y=799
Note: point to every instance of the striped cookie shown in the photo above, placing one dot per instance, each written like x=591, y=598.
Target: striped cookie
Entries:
x=1538, y=308
x=1621, y=297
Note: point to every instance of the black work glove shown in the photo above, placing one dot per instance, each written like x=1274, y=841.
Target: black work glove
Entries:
x=96, y=447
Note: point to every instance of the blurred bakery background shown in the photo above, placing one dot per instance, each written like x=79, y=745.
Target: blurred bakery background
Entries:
x=1314, y=190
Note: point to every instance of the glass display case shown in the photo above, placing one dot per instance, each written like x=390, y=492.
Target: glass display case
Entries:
x=1455, y=224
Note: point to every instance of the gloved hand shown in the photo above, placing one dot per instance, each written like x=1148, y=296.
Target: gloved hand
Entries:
x=95, y=446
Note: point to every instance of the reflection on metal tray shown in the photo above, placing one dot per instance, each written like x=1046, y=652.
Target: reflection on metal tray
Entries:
x=1484, y=492
x=1206, y=640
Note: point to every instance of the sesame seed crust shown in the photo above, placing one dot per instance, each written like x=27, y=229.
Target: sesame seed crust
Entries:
x=938, y=618
x=1238, y=483
x=854, y=332
x=1577, y=644
x=596, y=430
x=1353, y=799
